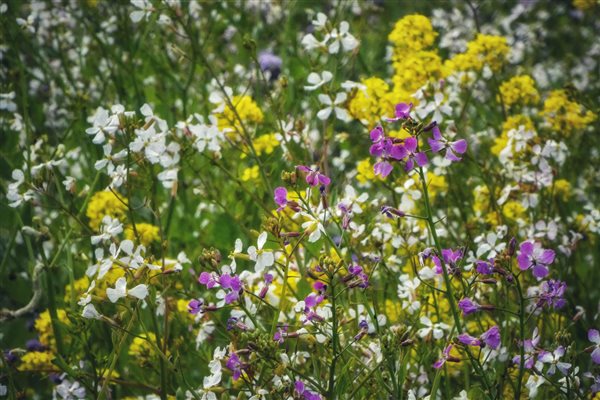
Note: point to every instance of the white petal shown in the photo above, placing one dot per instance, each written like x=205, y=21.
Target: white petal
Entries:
x=140, y=291
x=262, y=239
x=324, y=113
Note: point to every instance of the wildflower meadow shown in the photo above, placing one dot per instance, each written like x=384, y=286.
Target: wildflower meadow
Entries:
x=300, y=199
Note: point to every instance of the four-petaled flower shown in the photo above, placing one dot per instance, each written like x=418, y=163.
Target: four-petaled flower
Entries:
x=314, y=177
x=533, y=256
x=120, y=290
x=262, y=257
x=438, y=143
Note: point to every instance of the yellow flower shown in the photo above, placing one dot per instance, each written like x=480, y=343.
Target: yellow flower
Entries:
x=43, y=326
x=37, y=360
x=148, y=233
x=564, y=115
x=393, y=309
x=485, y=50
x=373, y=102
x=365, y=171
x=250, y=173
x=562, y=189
x=413, y=32
x=140, y=348
x=519, y=90
x=413, y=70
x=105, y=203
x=436, y=184
x=265, y=144
x=585, y=5
x=514, y=210
x=247, y=110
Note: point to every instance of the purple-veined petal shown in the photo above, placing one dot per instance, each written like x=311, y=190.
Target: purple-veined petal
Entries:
x=547, y=256
x=460, y=146
x=421, y=159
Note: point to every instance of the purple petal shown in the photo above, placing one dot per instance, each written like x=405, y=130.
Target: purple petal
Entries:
x=451, y=156
x=303, y=168
x=437, y=135
x=398, y=152
x=421, y=159
x=596, y=355
x=594, y=336
x=460, y=146
x=382, y=168
x=435, y=145
x=527, y=248
x=377, y=133
x=523, y=261
x=540, y=271
x=324, y=179
x=547, y=257
x=410, y=144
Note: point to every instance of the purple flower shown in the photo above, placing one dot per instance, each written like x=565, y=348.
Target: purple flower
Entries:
x=530, y=350
x=532, y=255
x=438, y=143
x=551, y=294
x=384, y=147
x=554, y=360
x=410, y=146
x=468, y=340
x=280, y=197
x=208, y=279
x=279, y=335
x=485, y=267
x=314, y=177
x=451, y=257
x=362, y=279
x=468, y=306
x=235, y=365
x=594, y=337
x=307, y=394
x=491, y=337
x=195, y=306
x=34, y=345
x=402, y=111
x=270, y=62
x=445, y=357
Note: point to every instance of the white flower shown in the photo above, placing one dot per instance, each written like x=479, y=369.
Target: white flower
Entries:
x=109, y=229
x=262, y=257
x=533, y=384
x=316, y=81
x=120, y=290
x=343, y=37
x=27, y=23
x=145, y=9
x=103, y=124
x=68, y=390
x=437, y=329
x=320, y=22
x=90, y=312
x=438, y=107
x=310, y=42
x=331, y=106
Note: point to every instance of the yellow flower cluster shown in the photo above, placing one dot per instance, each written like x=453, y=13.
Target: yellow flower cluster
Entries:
x=250, y=173
x=373, y=102
x=564, y=115
x=485, y=50
x=140, y=348
x=265, y=144
x=365, y=171
x=43, y=326
x=585, y=5
x=37, y=361
x=512, y=122
x=436, y=184
x=105, y=203
x=414, y=62
x=519, y=90
x=147, y=233
x=247, y=110
x=562, y=189
x=413, y=32
x=81, y=285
